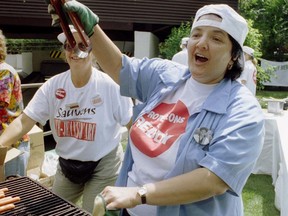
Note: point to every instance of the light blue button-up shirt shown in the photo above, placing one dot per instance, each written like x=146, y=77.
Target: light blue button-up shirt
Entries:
x=231, y=112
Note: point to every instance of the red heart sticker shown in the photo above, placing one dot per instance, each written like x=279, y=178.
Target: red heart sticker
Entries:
x=156, y=131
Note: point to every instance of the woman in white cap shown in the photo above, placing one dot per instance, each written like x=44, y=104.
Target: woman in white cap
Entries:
x=85, y=112
x=197, y=133
x=249, y=75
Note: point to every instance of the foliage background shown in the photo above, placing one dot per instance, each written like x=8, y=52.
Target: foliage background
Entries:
x=18, y=46
x=172, y=44
x=271, y=19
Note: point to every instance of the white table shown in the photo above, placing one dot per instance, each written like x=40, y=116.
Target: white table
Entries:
x=273, y=159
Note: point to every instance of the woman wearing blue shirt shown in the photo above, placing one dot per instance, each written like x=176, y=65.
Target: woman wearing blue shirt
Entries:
x=197, y=133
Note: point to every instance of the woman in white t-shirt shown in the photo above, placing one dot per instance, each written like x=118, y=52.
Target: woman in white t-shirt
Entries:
x=86, y=113
x=249, y=74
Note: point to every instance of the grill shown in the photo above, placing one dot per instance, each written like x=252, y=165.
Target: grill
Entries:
x=37, y=200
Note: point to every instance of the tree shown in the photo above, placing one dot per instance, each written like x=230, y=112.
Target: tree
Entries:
x=271, y=19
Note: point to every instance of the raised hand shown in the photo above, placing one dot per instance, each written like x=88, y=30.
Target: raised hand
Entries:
x=86, y=16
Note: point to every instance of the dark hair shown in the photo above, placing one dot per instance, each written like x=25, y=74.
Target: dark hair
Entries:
x=237, y=54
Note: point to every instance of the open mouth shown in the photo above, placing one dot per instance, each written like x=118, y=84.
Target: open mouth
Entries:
x=200, y=58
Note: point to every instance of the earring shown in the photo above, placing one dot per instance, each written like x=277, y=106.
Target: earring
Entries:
x=230, y=66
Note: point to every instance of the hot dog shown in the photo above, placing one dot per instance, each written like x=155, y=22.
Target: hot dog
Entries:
x=6, y=207
x=6, y=203
x=8, y=200
x=3, y=190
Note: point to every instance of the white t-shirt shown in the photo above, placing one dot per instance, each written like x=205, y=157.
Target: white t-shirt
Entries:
x=155, y=136
x=249, y=75
x=85, y=122
x=181, y=57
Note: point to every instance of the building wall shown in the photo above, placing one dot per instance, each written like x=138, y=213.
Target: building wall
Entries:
x=146, y=45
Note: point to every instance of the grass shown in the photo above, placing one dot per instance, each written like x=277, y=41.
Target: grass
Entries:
x=274, y=94
x=258, y=196
x=258, y=193
x=267, y=94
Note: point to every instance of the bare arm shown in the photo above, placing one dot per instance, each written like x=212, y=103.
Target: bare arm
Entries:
x=107, y=53
x=194, y=186
x=19, y=127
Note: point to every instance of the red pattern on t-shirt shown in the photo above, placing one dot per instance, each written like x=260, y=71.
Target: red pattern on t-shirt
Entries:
x=156, y=131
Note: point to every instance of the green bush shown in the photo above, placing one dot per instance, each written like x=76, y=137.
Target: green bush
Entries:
x=172, y=44
x=18, y=46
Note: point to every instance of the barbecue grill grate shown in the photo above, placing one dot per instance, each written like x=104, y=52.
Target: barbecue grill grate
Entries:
x=37, y=200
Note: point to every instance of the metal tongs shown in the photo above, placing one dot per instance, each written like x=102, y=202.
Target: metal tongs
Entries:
x=82, y=51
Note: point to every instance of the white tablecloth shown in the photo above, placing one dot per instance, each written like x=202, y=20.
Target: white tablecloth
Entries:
x=273, y=159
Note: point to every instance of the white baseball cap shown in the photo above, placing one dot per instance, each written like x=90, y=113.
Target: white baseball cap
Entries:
x=184, y=40
x=248, y=50
x=232, y=23
x=62, y=37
